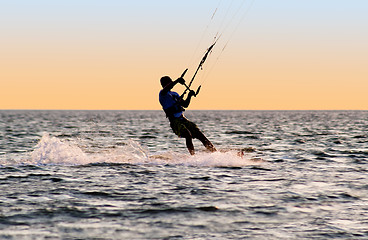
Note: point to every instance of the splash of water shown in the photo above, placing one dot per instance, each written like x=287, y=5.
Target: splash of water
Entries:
x=51, y=150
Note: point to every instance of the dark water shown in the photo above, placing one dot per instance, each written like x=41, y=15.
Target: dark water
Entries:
x=125, y=175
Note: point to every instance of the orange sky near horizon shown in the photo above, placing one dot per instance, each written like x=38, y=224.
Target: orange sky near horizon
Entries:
x=111, y=55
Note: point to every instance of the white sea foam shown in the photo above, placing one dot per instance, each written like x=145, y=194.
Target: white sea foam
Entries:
x=51, y=150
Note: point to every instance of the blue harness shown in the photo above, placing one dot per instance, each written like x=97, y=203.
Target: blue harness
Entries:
x=170, y=103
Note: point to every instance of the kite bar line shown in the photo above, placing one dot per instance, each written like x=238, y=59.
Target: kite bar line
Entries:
x=209, y=50
x=224, y=27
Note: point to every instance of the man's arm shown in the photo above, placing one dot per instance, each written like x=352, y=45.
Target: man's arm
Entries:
x=185, y=103
x=169, y=86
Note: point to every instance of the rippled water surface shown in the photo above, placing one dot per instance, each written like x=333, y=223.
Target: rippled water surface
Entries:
x=125, y=175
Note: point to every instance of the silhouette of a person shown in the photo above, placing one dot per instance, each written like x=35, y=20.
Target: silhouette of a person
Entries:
x=174, y=105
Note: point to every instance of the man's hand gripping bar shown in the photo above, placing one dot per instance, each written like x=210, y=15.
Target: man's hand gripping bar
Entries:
x=185, y=85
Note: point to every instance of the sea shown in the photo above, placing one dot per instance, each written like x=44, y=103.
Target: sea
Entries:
x=126, y=175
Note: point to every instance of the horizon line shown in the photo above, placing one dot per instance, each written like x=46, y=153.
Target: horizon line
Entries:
x=20, y=109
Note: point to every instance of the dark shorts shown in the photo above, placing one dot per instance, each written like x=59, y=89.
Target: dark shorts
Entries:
x=180, y=125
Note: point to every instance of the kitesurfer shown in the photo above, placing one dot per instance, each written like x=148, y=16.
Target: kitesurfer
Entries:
x=174, y=106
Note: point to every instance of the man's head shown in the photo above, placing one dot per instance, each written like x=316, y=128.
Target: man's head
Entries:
x=165, y=80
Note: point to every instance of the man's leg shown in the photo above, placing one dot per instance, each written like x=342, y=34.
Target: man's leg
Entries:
x=188, y=140
x=201, y=137
x=182, y=131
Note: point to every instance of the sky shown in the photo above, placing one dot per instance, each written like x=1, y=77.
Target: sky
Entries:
x=271, y=54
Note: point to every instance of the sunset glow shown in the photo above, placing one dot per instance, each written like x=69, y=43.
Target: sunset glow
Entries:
x=111, y=54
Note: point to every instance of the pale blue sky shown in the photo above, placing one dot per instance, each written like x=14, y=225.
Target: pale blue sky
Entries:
x=281, y=46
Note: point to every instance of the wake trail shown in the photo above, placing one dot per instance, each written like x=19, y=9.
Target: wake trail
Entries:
x=51, y=150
